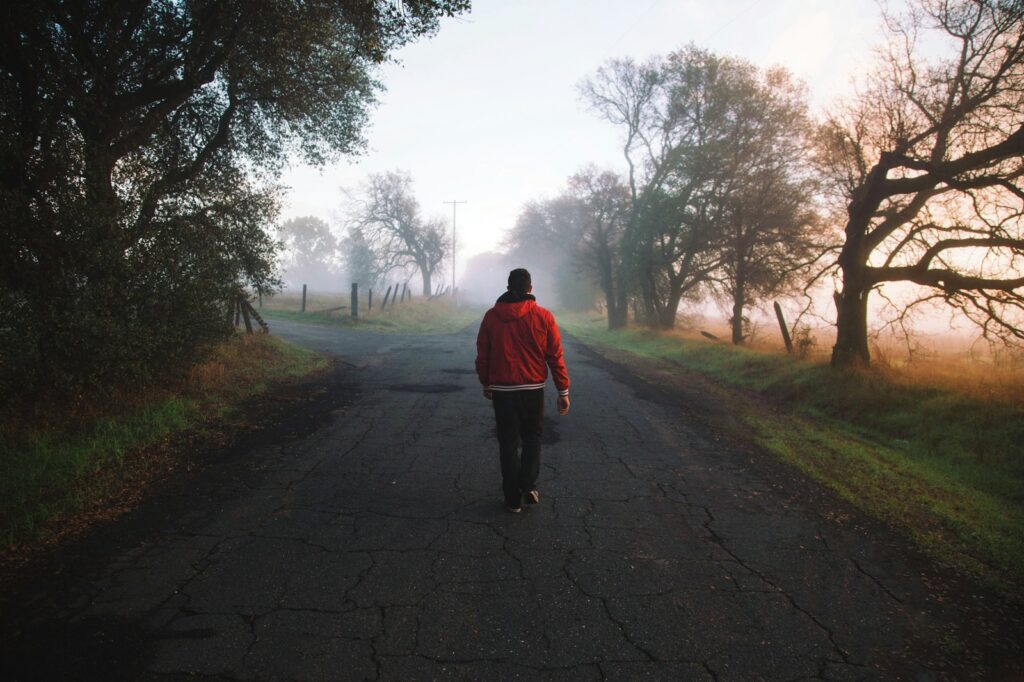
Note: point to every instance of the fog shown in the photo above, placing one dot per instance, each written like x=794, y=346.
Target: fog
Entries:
x=521, y=127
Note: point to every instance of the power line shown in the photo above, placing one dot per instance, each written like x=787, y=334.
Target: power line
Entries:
x=636, y=22
x=745, y=11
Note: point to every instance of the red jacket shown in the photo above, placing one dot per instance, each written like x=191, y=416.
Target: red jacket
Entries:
x=517, y=343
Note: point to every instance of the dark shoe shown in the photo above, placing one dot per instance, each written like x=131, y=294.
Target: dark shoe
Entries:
x=531, y=496
x=514, y=504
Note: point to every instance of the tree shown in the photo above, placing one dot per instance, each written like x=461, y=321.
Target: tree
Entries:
x=138, y=142
x=546, y=240
x=603, y=203
x=359, y=260
x=388, y=215
x=769, y=224
x=678, y=115
x=312, y=251
x=928, y=161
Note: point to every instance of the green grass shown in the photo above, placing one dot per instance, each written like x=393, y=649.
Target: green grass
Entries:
x=943, y=466
x=419, y=316
x=57, y=468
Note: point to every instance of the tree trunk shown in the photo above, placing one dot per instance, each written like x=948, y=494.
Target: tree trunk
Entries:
x=738, y=304
x=425, y=274
x=851, y=349
x=606, y=271
x=619, y=316
x=667, y=315
x=651, y=310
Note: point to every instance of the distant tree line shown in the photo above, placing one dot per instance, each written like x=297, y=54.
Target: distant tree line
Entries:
x=383, y=234
x=139, y=145
x=730, y=190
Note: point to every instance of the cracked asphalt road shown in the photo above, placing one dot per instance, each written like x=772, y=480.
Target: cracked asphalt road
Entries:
x=369, y=542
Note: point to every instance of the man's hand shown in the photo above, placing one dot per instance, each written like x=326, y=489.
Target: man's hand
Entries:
x=563, y=404
x=488, y=394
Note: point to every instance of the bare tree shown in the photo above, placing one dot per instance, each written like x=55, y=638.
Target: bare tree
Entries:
x=388, y=216
x=928, y=161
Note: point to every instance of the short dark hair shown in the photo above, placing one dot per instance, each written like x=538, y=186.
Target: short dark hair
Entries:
x=519, y=280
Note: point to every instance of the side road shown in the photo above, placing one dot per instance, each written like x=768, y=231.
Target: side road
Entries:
x=366, y=539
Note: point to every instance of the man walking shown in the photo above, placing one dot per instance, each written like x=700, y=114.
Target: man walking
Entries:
x=517, y=343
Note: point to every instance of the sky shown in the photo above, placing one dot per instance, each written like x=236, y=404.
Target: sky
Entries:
x=488, y=111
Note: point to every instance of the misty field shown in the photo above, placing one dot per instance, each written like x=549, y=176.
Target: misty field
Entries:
x=416, y=316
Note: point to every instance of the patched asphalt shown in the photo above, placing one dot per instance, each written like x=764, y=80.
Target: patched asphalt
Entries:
x=366, y=539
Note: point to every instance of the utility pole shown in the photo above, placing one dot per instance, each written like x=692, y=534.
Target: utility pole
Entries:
x=454, y=206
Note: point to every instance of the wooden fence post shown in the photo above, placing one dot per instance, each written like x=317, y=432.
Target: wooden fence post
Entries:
x=355, y=299
x=785, y=330
x=303, y=298
x=256, y=316
x=243, y=305
x=394, y=296
x=384, y=304
x=369, y=301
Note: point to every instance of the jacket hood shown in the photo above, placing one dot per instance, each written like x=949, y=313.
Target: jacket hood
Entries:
x=513, y=305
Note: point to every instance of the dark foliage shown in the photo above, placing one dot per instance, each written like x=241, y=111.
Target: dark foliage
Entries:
x=139, y=142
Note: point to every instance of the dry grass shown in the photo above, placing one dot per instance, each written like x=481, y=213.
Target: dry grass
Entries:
x=418, y=316
x=315, y=301
x=947, y=362
x=978, y=379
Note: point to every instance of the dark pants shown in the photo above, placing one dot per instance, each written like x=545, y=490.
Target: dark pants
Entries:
x=519, y=415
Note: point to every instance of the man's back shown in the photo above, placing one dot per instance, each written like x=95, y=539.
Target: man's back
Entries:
x=517, y=343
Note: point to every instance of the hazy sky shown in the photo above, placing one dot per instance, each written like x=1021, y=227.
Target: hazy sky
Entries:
x=487, y=111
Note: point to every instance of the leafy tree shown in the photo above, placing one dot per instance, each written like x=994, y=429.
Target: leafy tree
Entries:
x=769, y=227
x=677, y=114
x=138, y=142
x=715, y=196
x=928, y=162
x=388, y=216
x=312, y=252
x=603, y=202
x=546, y=240
x=360, y=261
